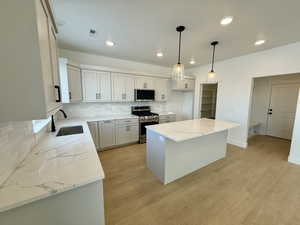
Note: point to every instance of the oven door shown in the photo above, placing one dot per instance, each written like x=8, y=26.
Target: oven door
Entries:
x=143, y=127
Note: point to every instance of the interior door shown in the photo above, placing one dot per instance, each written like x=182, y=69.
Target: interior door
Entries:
x=281, y=115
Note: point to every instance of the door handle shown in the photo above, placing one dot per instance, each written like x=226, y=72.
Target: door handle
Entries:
x=58, y=97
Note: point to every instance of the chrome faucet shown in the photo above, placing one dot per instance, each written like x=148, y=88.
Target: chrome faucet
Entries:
x=53, y=129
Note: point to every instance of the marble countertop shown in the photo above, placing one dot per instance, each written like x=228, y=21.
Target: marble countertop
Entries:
x=189, y=129
x=165, y=113
x=55, y=165
x=109, y=117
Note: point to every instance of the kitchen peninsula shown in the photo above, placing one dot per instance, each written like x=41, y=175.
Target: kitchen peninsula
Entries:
x=179, y=148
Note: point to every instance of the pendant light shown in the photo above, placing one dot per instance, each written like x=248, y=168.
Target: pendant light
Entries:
x=212, y=73
x=178, y=69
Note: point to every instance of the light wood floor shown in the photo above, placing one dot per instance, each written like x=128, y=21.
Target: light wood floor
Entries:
x=256, y=186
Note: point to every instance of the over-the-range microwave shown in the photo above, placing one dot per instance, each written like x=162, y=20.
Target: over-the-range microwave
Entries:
x=141, y=95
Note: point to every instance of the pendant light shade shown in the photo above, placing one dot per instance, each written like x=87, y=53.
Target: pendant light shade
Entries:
x=178, y=69
x=212, y=73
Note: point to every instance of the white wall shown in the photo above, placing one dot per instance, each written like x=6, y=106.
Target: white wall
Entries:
x=178, y=102
x=130, y=66
x=235, y=83
x=294, y=156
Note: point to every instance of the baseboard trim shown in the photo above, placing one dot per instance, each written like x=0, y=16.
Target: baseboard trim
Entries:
x=238, y=143
x=294, y=159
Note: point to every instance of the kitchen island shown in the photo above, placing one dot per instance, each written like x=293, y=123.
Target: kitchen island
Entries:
x=179, y=148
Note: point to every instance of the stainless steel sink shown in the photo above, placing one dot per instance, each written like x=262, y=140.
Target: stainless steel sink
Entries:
x=70, y=130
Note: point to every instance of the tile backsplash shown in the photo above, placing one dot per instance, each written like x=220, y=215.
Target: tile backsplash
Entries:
x=77, y=110
x=178, y=103
x=16, y=141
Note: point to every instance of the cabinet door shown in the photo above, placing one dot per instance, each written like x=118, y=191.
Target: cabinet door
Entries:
x=122, y=88
x=44, y=42
x=188, y=84
x=90, y=86
x=93, y=126
x=118, y=88
x=107, y=133
x=161, y=89
x=54, y=55
x=129, y=89
x=127, y=134
x=104, y=86
x=144, y=83
x=75, y=88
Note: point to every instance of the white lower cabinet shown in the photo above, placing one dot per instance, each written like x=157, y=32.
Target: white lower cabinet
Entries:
x=93, y=126
x=167, y=118
x=127, y=134
x=107, y=133
x=110, y=133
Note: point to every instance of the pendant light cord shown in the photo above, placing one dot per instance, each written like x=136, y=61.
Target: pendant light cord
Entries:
x=213, y=59
x=179, y=47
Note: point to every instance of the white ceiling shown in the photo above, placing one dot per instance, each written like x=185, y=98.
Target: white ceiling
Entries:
x=140, y=28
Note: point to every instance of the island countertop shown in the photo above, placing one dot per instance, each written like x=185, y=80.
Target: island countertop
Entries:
x=55, y=165
x=189, y=129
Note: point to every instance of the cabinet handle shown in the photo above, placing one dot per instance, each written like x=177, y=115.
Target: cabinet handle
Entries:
x=58, y=97
x=162, y=96
x=70, y=95
x=145, y=85
x=107, y=121
x=99, y=94
x=185, y=85
x=127, y=128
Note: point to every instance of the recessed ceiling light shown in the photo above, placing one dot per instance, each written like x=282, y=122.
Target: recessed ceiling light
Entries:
x=259, y=42
x=109, y=43
x=192, y=62
x=226, y=20
x=159, y=54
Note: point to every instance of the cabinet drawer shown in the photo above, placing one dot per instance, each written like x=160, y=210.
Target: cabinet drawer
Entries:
x=168, y=117
x=125, y=122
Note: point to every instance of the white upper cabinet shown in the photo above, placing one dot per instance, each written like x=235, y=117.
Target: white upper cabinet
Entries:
x=70, y=81
x=183, y=85
x=122, y=88
x=96, y=86
x=54, y=54
x=162, y=87
x=74, y=83
x=29, y=84
x=144, y=83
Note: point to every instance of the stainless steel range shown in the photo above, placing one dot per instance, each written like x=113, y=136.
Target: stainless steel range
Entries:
x=146, y=118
